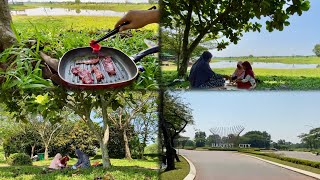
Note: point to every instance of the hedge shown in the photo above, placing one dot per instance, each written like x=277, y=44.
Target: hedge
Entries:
x=289, y=159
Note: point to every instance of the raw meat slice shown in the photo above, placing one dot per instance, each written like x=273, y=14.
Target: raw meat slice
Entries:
x=84, y=75
x=98, y=73
x=90, y=61
x=109, y=66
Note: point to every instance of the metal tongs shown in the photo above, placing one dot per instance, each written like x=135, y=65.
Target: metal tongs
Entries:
x=116, y=30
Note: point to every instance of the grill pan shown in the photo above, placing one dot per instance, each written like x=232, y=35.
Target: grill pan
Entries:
x=125, y=67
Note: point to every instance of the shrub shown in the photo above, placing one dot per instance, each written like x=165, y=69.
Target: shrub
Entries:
x=189, y=148
x=289, y=159
x=151, y=149
x=19, y=159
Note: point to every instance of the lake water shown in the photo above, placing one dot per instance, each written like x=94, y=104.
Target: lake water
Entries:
x=233, y=64
x=66, y=12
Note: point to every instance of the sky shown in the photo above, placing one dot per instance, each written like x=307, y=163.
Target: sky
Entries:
x=299, y=38
x=284, y=115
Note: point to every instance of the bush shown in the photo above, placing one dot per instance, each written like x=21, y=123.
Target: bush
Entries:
x=151, y=149
x=19, y=159
x=189, y=148
x=289, y=159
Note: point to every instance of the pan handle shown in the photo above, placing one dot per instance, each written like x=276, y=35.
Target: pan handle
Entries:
x=142, y=54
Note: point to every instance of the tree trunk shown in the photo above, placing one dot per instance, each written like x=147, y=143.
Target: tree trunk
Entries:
x=175, y=155
x=170, y=154
x=32, y=150
x=7, y=37
x=144, y=143
x=104, y=148
x=126, y=145
x=185, y=42
x=46, y=154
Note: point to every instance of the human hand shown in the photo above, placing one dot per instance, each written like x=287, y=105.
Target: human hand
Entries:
x=138, y=19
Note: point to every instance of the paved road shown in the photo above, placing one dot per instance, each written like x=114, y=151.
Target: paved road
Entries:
x=216, y=165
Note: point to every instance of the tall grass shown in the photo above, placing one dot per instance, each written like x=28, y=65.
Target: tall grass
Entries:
x=91, y=6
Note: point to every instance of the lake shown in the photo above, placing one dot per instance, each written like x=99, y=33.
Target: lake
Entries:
x=66, y=12
x=233, y=64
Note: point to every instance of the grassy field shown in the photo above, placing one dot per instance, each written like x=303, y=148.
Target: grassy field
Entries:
x=121, y=169
x=271, y=79
x=285, y=60
x=91, y=6
x=299, y=166
x=181, y=171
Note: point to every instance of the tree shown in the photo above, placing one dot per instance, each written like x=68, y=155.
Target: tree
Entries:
x=316, y=50
x=46, y=130
x=177, y=115
x=312, y=139
x=227, y=20
x=75, y=134
x=182, y=141
x=213, y=138
x=146, y=126
x=171, y=43
x=7, y=37
x=200, y=138
x=132, y=104
x=190, y=143
x=257, y=139
x=174, y=115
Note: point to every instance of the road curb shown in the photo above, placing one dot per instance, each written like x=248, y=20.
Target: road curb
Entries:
x=307, y=173
x=192, y=172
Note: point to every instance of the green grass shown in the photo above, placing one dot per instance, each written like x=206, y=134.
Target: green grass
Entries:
x=90, y=24
x=285, y=60
x=90, y=6
x=121, y=169
x=271, y=79
x=299, y=166
x=2, y=160
x=181, y=171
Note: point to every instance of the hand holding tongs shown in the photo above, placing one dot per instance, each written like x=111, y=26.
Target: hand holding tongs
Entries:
x=116, y=30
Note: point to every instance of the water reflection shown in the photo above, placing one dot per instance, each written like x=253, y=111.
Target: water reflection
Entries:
x=233, y=64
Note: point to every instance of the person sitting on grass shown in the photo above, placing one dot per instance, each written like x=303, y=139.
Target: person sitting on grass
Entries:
x=249, y=81
x=56, y=162
x=83, y=160
x=64, y=161
x=202, y=76
x=238, y=73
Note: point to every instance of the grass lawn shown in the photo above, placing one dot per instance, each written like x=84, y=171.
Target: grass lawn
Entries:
x=181, y=171
x=299, y=166
x=271, y=79
x=92, y=6
x=121, y=169
x=285, y=60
